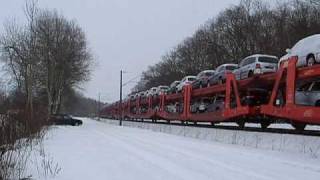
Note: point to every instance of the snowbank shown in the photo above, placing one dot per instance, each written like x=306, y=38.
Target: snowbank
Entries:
x=299, y=144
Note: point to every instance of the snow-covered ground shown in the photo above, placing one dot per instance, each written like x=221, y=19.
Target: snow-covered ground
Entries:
x=97, y=150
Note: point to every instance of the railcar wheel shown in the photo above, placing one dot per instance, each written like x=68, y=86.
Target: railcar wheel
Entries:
x=265, y=124
x=299, y=126
x=241, y=124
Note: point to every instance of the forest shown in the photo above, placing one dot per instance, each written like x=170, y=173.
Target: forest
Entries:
x=252, y=27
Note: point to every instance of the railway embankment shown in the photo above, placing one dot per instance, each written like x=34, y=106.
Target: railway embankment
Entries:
x=291, y=143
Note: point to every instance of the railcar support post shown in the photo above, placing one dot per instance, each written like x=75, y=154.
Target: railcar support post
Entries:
x=120, y=104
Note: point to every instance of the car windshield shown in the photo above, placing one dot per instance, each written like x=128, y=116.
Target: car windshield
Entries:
x=268, y=60
x=304, y=87
x=316, y=86
x=209, y=73
x=231, y=68
x=191, y=79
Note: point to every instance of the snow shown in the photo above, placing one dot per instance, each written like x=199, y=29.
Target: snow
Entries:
x=98, y=150
x=289, y=143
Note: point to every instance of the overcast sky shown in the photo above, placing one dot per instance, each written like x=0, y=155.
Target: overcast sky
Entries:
x=126, y=34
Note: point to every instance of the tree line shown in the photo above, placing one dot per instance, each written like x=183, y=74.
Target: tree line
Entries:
x=253, y=26
x=47, y=58
x=44, y=57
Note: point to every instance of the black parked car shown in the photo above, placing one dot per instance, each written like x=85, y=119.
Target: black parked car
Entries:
x=64, y=119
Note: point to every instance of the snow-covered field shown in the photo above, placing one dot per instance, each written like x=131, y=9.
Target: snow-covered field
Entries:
x=97, y=150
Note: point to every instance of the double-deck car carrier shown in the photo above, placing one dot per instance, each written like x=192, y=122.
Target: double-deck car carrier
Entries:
x=262, y=99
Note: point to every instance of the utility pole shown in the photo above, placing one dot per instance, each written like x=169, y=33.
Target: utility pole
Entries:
x=120, y=105
x=99, y=107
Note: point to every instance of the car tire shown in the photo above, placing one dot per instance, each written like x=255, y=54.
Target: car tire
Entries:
x=241, y=124
x=310, y=61
x=265, y=124
x=299, y=126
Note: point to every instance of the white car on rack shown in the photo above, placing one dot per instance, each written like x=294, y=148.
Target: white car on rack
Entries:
x=152, y=91
x=307, y=50
x=142, y=94
x=256, y=64
x=162, y=90
x=185, y=81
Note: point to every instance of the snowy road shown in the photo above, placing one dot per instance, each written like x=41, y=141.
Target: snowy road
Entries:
x=101, y=151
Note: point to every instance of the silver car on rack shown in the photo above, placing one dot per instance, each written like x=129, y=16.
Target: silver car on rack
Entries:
x=142, y=94
x=152, y=91
x=162, y=90
x=256, y=64
x=173, y=87
x=202, y=79
x=220, y=75
x=308, y=94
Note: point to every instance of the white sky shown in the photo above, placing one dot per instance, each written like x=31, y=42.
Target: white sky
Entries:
x=126, y=34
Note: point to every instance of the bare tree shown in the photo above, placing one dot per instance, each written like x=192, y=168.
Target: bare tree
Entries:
x=18, y=53
x=64, y=56
x=48, y=54
x=315, y=2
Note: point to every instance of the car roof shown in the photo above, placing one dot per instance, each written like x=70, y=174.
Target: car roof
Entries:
x=207, y=71
x=175, y=82
x=315, y=37
x=190, y=76
x=261, y=55
x=230, y=64
x=60, y=114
